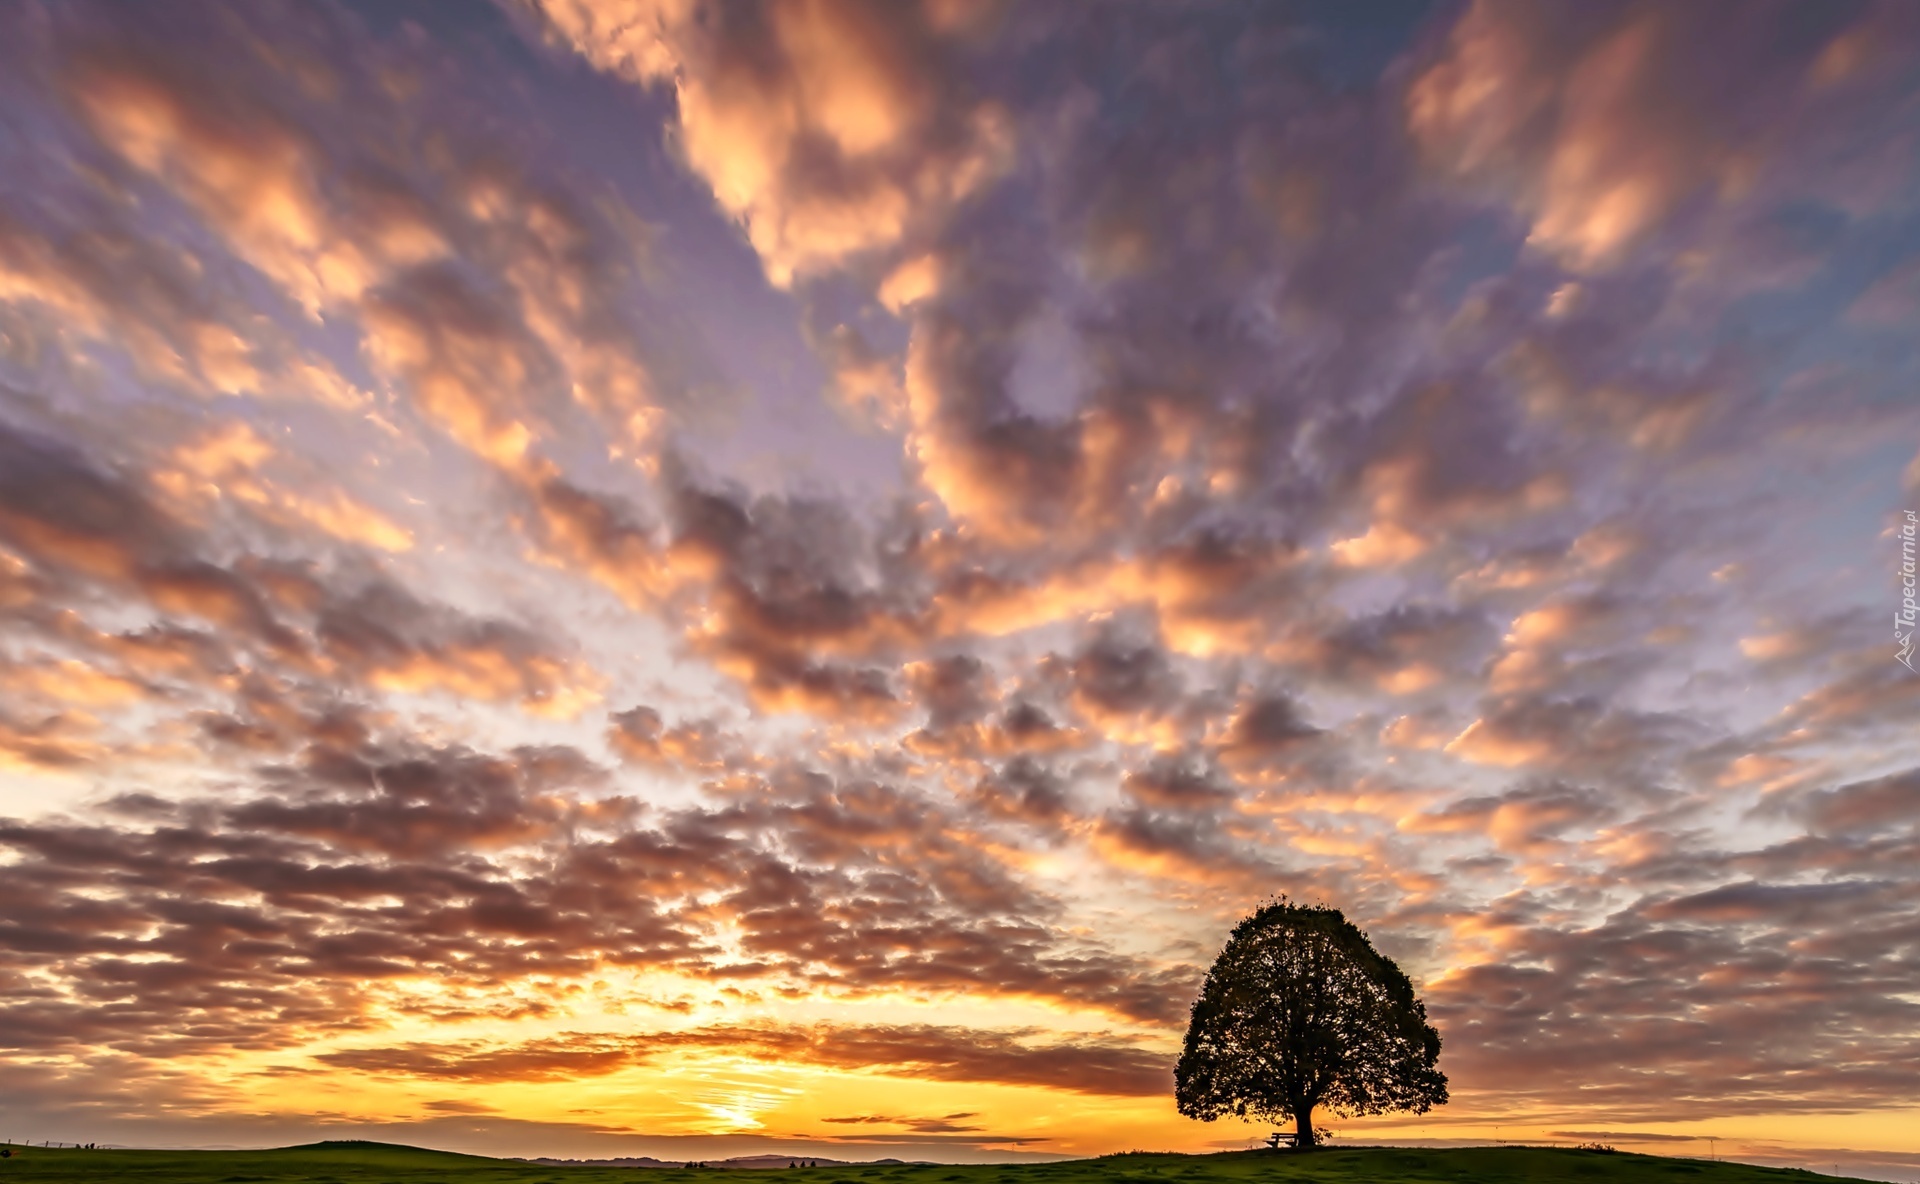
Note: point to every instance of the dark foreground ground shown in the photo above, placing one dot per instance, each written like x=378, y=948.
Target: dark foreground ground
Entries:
x=379, y=1163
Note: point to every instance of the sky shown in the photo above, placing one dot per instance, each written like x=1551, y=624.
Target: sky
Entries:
x=590, y=577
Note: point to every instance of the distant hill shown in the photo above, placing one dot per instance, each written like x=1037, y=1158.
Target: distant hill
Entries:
x=625, y=1161
x=738, y=1161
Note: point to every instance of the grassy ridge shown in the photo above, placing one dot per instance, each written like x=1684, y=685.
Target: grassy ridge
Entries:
x=379, y=1163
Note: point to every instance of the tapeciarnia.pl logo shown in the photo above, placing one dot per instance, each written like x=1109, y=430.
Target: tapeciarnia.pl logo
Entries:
x=1903, y=621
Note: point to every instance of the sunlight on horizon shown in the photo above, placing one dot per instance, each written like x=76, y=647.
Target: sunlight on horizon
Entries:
x=657, y=577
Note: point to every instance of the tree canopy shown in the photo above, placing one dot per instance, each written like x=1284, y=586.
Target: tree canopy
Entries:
x=1298, y=1012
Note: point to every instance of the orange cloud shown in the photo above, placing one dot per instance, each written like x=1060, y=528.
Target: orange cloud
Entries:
x=253, y=176
x=70, y=682
x=826, y=128
x=1097, y=1064
x=1611, y=163
x=227, y=463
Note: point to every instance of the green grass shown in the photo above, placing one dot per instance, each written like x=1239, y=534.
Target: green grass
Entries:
x=379, y=1163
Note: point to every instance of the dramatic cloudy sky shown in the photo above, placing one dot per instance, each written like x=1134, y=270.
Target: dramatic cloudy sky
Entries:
x=591, y=576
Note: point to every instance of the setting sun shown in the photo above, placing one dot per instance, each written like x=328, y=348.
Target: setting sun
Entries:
x=694, y=579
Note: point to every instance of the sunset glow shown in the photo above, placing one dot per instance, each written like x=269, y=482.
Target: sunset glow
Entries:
x=678, y=578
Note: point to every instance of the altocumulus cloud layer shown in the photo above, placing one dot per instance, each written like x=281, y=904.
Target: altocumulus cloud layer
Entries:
x=645, y=567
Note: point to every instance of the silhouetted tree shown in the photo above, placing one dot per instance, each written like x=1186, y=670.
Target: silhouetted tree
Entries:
x=1298, y=1012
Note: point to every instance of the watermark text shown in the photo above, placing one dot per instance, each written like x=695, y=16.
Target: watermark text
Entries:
x=1903, y=621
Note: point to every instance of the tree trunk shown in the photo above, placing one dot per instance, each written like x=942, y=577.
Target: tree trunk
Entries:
x=1303, y=1127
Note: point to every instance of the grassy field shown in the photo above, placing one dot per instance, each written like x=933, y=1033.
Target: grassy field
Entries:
x=376, y=1163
